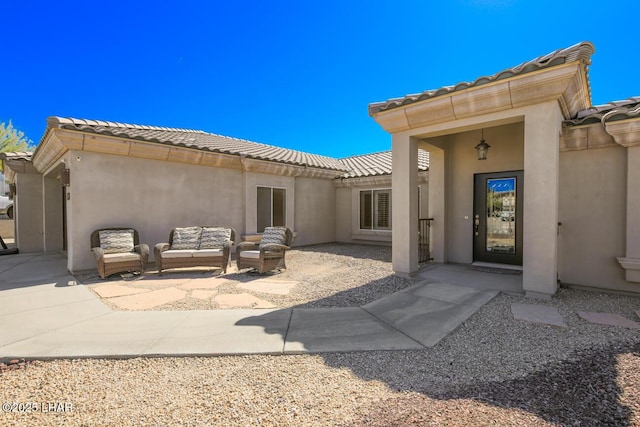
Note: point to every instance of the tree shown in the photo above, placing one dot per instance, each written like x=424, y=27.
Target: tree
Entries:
x=11, y=139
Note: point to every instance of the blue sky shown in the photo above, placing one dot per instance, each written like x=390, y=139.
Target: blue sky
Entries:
x=296, y=74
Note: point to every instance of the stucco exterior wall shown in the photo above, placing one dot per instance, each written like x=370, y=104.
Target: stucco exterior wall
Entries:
x=7, y=228
x=28, y=212
x=155, y=196
x=592, y=212
x=343, y=215
x=506, y=154
x=315, y=210
x=53, y=214
x=151, y=196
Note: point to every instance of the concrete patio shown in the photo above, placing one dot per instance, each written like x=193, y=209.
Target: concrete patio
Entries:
x=46, y=314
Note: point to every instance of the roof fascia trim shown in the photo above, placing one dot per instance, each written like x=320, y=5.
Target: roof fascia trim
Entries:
x=374, y=181
x=59, y=141
x=563, y=83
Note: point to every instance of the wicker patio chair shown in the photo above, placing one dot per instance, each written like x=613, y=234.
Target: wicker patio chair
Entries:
x=269, y=253
x=211, y=251
x=118, y=249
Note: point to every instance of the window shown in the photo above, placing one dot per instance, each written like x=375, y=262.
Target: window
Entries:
x=271, y=207
x=375, y=210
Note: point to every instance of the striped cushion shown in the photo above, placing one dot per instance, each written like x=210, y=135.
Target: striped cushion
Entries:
x=214, y=237
x=186, y=238
x=116, y=241
x=273, y=236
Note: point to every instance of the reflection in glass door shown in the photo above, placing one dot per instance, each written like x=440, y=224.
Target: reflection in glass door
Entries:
x=497, y=217
x=501, y=215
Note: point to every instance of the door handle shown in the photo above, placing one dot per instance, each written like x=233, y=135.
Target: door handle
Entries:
x=476, y=224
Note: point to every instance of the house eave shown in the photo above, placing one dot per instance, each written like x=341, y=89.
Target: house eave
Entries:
x=14, y=166
x=567, y=84
x=374, y=181
x=625, y=133
x=57, y=142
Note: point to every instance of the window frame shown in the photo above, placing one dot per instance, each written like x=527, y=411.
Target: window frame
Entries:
x=271, y=206
x=374, y=212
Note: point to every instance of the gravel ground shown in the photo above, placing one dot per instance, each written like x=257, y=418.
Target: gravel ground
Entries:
x=329, y=275
x=492, y=370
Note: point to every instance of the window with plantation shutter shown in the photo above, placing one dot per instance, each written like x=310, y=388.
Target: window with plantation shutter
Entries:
x=366, y=210
x=382, y=209
x=375, y=210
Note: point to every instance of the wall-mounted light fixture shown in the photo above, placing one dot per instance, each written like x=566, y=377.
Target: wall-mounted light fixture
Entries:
x=482, y=148
x=65, y=177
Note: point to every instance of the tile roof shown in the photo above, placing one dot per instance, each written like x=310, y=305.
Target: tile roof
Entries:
x=349, y=167
x=17, y=155
x=579, y=52
x=198, y=140
x=378, y=164
x=617, y=110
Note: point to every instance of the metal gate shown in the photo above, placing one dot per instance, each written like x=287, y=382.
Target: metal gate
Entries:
x=424, y=252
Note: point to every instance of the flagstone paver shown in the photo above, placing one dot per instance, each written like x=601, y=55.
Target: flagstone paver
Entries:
x=538, y=313
x=241, y=301
x=205, y=283
x=111, y=290
x=157, y=282
x=610, y=319
x=203, y=294
x=149, y=299
x=268, y=286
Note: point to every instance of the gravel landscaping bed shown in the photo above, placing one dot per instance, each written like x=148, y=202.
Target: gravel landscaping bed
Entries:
x=338, y=275
x=492, y=370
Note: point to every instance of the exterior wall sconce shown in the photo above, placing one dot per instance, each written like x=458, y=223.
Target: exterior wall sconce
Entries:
x=482, y=148
x=65, y=177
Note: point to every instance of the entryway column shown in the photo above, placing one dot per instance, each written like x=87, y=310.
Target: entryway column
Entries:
x=542, y=126
x=631, y=262
x=52, y=214
x=404, y=219
x=627, y=134
x=437, y=202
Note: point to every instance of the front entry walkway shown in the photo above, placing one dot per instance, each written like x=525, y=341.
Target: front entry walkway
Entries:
x=509, y=282
x=46, y=314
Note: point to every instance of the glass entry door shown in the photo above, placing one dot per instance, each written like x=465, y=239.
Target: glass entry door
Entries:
x=497, y=218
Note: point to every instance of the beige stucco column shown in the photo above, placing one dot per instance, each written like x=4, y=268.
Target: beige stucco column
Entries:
x=404, y=219
x=52, y=214
x=631, y=262
x=542, y=126
x=437, y=202
x=627, y=134
x=29, y=211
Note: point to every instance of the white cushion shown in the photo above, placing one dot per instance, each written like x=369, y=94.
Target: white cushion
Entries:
x=207, y=252
x=178, y=253
x=120, y=257
x=250, y=254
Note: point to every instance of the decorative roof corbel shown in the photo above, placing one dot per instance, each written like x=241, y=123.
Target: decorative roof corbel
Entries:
x=623, y=125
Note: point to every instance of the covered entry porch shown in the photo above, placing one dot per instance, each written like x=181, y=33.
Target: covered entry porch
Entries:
x=519, y=113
